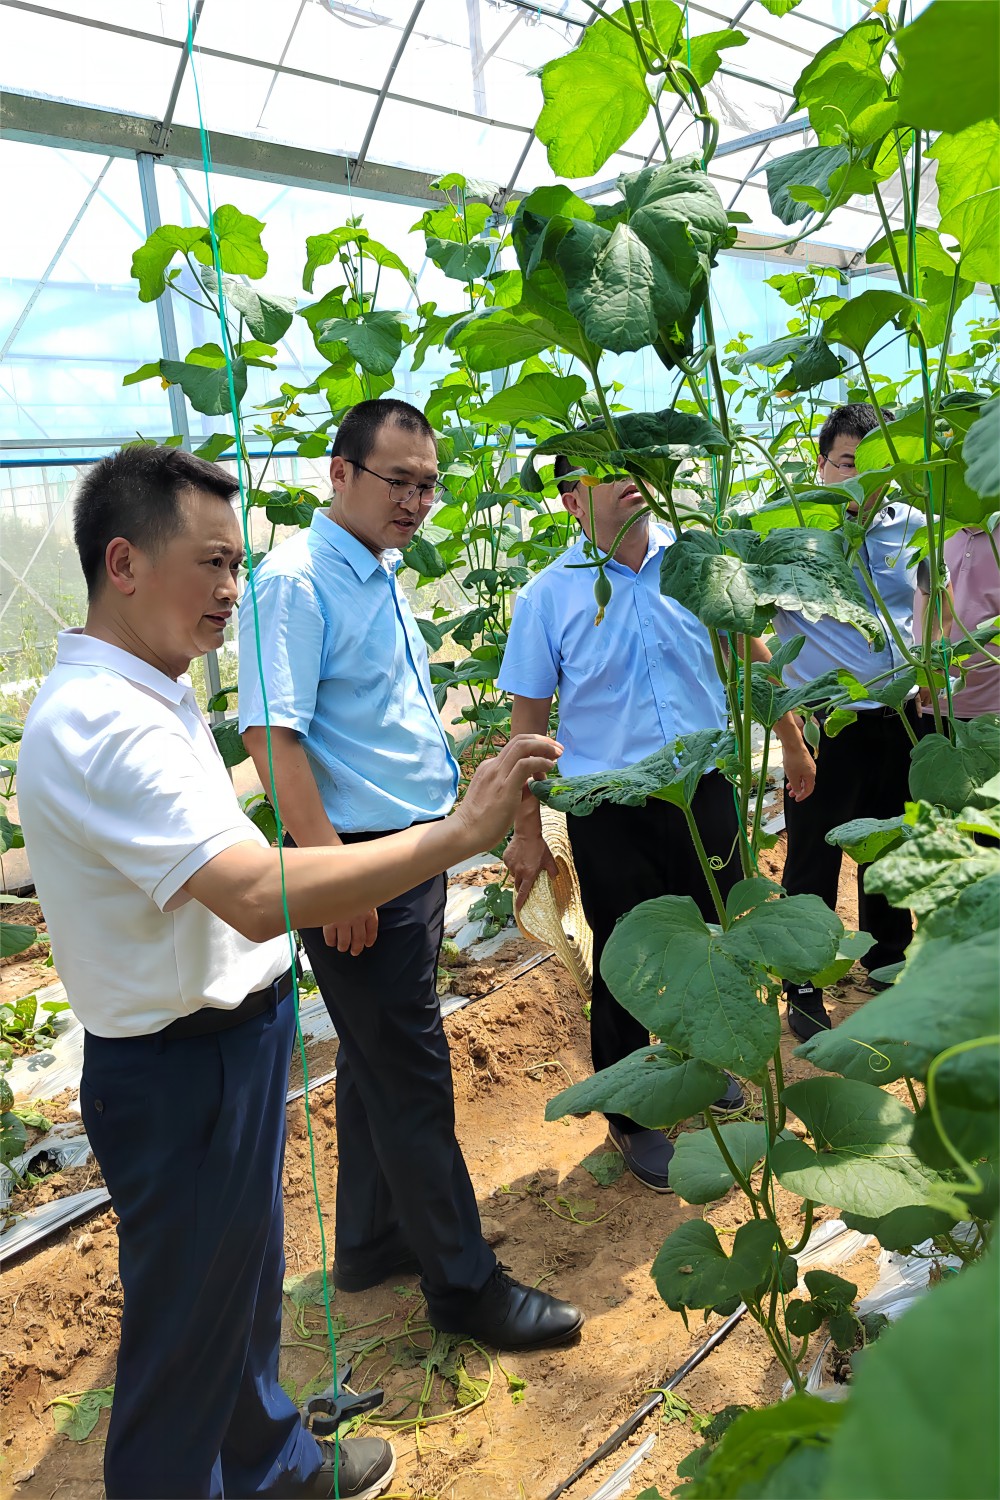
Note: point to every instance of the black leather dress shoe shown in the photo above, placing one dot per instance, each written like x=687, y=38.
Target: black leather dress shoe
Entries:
x=647, y=1155
x=507, y=1315
x=354, y=1469
x=806, y=1014
x=367, y=1269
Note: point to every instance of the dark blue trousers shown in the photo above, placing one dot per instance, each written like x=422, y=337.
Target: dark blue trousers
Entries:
x=401, y=1171
x=190, y=1136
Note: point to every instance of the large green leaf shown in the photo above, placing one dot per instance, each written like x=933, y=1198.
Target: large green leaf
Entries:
x=154, y=256
x=935, y=270
x=799, y=569
x=864, y=839
x=268, y=317
x=653, y=1086
x=863, y=1161
x=424, y=558
x=812, y=170
x=207, y=386
x=903, y=1227
x=689, y=987
x=950, y=65
x=968, y=181
x=701, y=54
x=374, y=339
x=950, y=774
x=931, y=867
x=15, y=937
x=775, y=1452
x=902, y=1030
x=672, y=775
x=793, y=938
x=858, y=321
x=647, y=277
x=981, y=452
x=967, y=1103
x=240, y=249
x=461, y=262
x=653, y=445
x=496, y=339
x=698, y=1172
x=596, y=96
x=933, y=1378
x=535, y=399
x=692, y=1269
x=812, y=362
x=844, y=88
x=230, y=743
x=972, y=913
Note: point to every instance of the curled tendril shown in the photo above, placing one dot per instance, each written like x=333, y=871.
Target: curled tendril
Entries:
x=884, y=1062
x=716, y=862
x=974, y=1182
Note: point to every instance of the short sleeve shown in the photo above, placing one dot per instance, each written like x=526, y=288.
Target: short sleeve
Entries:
x=154, y=814
x=530, y=667
x=291, y=626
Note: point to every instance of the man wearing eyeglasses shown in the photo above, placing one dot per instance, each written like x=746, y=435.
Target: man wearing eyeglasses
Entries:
x=358, y=751
x=861, y=772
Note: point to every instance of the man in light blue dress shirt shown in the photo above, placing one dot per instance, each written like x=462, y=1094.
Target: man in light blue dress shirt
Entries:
x=638, y=681
x=358, y=750
x=863, y=771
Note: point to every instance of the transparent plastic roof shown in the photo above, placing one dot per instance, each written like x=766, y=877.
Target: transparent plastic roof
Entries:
x=431, y=85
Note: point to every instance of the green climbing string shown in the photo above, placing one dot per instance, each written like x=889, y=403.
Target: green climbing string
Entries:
x=241, y=460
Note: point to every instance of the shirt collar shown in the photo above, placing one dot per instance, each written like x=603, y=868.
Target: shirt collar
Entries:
x=363, y=562
x=75, y=649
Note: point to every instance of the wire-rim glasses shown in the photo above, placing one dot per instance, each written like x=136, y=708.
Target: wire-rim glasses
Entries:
x=402, y=489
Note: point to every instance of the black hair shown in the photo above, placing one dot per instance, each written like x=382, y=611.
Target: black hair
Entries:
x=562, y=466
x=134, y=493
x=856, y=420
x=360, y=427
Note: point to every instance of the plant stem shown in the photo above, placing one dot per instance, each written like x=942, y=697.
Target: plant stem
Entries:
x=779, y=471
x=779, y=1088
x=741, y=1182
x=746, y=769
x=803, y=1239
x=706, y=868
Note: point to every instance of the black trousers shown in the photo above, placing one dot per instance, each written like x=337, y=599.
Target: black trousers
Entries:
x=863, y=772
x=190, y=1136
x=401, y=1171
x=626, y=855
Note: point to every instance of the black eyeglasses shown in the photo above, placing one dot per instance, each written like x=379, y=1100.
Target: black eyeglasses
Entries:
x=401, y=489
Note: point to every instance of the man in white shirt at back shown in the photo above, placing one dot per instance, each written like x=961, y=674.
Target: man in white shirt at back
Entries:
x=165, y=908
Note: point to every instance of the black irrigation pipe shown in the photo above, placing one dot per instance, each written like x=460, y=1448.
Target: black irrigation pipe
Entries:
x=652, y=1401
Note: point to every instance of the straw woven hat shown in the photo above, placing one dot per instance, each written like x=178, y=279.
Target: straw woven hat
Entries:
x=552, y=912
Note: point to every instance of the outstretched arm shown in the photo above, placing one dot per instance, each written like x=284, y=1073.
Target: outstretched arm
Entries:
x=243, y=884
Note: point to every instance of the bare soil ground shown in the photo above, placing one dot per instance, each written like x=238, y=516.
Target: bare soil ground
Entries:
x=550, y=1222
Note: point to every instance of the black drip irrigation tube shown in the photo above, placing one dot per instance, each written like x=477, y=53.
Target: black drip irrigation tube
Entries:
x=652, y=1401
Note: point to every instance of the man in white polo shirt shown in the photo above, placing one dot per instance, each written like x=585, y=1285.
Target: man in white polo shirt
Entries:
x=166, y=911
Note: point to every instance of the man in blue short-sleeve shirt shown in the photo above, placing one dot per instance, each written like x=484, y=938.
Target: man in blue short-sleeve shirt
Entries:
x=863, y=771
x=359, y=751
x=638, y=681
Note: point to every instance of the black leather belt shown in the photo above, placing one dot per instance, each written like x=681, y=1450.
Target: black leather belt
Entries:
x=211, y=1018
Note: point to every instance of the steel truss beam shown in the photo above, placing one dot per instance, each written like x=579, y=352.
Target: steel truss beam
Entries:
x=55, y=122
